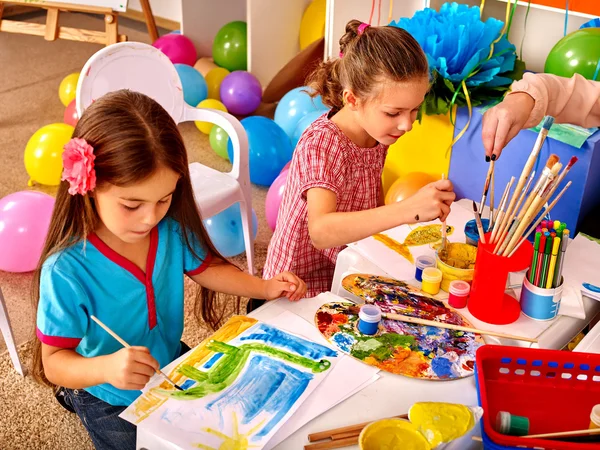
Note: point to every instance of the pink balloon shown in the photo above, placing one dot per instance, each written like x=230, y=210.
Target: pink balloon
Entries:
x=71, y=117
x=286, y=167
x=24, y=221
x=274, y=197
x=178, y=48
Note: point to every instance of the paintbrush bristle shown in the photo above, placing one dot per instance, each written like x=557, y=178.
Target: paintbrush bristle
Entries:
x=556, y=168
x=572, y=161
x=548, y=121
x=552, y=159
x=474, y=206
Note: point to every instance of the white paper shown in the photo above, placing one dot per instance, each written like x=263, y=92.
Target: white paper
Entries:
x=252, y=406
x=348, y=377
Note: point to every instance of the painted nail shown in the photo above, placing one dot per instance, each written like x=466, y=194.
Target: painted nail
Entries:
x=487, y=158
x=494, y=157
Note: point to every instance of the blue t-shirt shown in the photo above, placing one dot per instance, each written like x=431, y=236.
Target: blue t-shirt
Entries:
x=89, y=278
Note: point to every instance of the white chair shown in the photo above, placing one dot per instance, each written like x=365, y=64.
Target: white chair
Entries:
x=143, y=68
x=9, y=337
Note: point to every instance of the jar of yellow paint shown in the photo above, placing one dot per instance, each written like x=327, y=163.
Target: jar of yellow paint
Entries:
x=457, y=262
x=432, y=280
x=391, y=434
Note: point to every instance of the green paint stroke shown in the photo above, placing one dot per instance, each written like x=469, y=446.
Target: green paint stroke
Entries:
x=227, y=369
x=380, y=347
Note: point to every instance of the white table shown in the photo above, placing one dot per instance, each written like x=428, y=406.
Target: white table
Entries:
x=389, y=396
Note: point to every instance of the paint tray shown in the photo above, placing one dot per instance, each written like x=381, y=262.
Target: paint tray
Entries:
x=555, y=389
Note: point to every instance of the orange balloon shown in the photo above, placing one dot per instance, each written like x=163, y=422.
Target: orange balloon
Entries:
x=407, y=186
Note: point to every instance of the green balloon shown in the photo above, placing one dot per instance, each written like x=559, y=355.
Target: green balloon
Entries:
x=229, y=48
x=218, y=141
x=577, y=52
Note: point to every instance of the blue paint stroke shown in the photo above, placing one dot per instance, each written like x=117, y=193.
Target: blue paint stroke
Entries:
x=277, y=338
x=188, y=384
x=266, y=385
x=211, y=362
x=344, y=341
x=442, y=367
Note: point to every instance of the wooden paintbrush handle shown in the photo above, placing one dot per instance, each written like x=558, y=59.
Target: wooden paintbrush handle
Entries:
x=350, y=428
x=340, y=443
x=529, y=216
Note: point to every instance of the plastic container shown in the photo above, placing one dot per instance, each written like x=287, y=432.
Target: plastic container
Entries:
x=556, y=390
x=488, y=301
x=432, y=280
x=471, y=233
x=457, y=254
x=506, y=423
x=459, y=293
x=369, y=317
x=595, y=417
x=538, y=303
x=421, y=263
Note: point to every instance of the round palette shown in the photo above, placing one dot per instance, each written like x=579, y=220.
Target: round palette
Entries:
x=401, y=348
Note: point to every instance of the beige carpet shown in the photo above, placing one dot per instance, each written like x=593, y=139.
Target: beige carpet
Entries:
x=31, y=70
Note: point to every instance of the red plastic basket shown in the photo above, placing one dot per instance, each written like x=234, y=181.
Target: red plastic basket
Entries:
x=555, y=389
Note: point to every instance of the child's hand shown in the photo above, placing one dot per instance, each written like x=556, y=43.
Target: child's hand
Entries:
x=130, y=368
x=430, y=202
x=285, y=284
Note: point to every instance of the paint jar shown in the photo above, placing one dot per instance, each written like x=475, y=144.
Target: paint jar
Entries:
x=595, y=417
x=387, y=433
x=539, y=303
x=471, y=232
x=459, y=293
x=456, y=263
x=369, y=317
x=511, y=425
x=432, y=280
x=421, y=263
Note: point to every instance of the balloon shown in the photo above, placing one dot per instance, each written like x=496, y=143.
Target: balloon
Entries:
x=218, y=141
x=303, y=124
x=241, y=93
x=193, y=84
x=287, y=166
x=407, y=186
x=43, y=153
x=293, y=106
x=178, y=48
x=270, y=149
x=214, y=78
x=71, y=117
x=312, y=26
x=68, y=88
x=274, y=197
x=226, y=232
x=577, y=52
x=229, y=48
x=24, y=221
x=209, y=103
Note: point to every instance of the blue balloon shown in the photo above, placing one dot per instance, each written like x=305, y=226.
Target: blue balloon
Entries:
x=226, y=232
x=303, y=124
x=293, y=106
x=193, y=83
x=270, y=149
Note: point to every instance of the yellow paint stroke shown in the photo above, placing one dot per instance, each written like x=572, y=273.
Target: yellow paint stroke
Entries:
x=426, y=234
x=150, y=401
x=394, y=245
x=236, y=442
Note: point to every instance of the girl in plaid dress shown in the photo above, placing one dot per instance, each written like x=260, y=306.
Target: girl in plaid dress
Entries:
x=333, y=194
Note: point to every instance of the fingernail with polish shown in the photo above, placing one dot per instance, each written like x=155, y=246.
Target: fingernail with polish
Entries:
x=493, y=157
x=487, y=159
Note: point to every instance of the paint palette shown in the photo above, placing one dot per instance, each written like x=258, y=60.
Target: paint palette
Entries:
x=401, y=348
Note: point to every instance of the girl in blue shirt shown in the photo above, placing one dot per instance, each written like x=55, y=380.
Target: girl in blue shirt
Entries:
x=124, y=231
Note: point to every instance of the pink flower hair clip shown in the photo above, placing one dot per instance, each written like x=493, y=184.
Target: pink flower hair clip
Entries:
x=78, y=166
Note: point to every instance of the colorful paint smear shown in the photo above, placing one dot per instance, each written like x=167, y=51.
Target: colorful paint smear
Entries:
x=401, y=348
x=396, y=246
x=248, y=376
x=426, y=234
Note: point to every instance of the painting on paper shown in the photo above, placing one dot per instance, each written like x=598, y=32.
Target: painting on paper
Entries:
x=240, y=386
x=402, y=348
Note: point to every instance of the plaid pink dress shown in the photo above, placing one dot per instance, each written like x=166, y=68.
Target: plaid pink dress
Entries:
x=324, y=158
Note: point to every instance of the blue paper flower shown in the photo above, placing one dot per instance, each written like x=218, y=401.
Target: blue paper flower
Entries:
x=457, y=44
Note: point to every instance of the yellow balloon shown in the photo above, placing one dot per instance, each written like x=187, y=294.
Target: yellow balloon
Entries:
x=43, y=153
x=407, y=186
x=67, y=88
x=209, y=103
x=213, y=80
x=312, y=26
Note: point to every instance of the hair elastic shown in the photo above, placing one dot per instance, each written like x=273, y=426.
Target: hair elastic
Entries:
x=362, y=27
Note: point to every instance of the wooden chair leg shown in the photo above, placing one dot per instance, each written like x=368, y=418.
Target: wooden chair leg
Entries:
x=112, y=28
x=51, y=24
x=150, y=23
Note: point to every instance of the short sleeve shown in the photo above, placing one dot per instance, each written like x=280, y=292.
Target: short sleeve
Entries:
x=196, y=257
x=62, y=318
x=321, y=162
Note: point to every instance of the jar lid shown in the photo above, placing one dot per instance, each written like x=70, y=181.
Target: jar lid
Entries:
x=432, y=275
x=425, y=261
x=460, y=288
x=370, y=313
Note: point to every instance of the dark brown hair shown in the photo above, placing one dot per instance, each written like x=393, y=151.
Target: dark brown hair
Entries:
x=379, y=53
x=132, y=136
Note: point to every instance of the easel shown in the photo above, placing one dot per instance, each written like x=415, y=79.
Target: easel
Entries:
x=51, y=31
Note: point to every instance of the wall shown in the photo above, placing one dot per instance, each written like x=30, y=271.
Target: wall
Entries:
x=167, y=9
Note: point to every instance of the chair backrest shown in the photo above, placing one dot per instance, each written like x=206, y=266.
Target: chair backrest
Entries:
x=144, y=68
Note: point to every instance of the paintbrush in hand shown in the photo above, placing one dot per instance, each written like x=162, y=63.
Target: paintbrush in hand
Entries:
x=486, y=187
x=444, y=231
x=126, y=345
